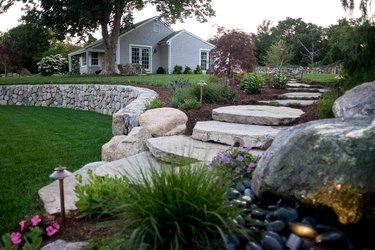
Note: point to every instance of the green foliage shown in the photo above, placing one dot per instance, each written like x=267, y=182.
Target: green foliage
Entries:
x=51, y=65
x=252, y=83
x=189, y=103
x=177, y=69
x=154, y=104
x=160, y=70
x=279, y=80
x=187, y=70
x=176, y=208
x=198, y=70
x=278, y=54
x=238, y=162
x=101, y=196
x=324, y=105
x=182, y=98
x=214, y=92
x=323, y=78
x=34, y=141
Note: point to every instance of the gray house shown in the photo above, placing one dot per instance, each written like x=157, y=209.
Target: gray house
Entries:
x=152, y=44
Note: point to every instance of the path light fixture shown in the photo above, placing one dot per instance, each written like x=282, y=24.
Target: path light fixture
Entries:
x=201, y=84
x=60, y=174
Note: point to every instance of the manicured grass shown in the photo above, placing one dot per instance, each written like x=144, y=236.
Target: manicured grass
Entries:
x=319, y=77
x=34, y=141
x=154, y=79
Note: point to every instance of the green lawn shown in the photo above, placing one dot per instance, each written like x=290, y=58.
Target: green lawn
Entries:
x=319, y=77
x=34, y=141
x=154, y=79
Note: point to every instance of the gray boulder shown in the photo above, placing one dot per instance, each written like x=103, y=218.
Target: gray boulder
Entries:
x=357, y=102
x=131, y=69
x=328, y=162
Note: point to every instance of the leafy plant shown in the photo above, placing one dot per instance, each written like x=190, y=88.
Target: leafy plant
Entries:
x=324, y=105
x=279, y=80
x=50, y=65
x=155, y=103
x=183, y=99
x=179, y=84
x=187, y=70
x=214, y=91
x=177, y=69
x=198, y=70
x=238, y=162
x=100, y=196
x=190, y=103
x=160, y=70
x=176, y=208
x=252, y=83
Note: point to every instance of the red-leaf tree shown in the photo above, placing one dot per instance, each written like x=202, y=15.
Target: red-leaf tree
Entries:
x=234, y=52
x=9, y=59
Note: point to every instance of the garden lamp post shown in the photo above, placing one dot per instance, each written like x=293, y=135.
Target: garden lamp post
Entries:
x=59, y=174
x=201, y=83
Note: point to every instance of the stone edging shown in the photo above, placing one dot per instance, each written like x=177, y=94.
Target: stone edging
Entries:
x=124, y=103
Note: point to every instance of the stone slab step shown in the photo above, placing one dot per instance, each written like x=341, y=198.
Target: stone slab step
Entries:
x=257, y=114
x=295, y=84
x=289, y=103
x=317, y=90
x=132, y=166
x=180, y=149
x=50, y=194
x=300, y=95
x=228, y=133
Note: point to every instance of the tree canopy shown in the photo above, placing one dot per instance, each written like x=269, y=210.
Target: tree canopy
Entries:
x=364, y=5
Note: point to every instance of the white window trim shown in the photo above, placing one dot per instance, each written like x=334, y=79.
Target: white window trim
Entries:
x=81, y=60
x=141, y=46
x=208, y=58
x=90, y=59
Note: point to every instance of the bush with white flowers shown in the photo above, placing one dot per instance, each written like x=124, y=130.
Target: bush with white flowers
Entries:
x=50, y=65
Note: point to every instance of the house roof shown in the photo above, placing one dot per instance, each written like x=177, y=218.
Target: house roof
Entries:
x=175, y=34
x=170, y=36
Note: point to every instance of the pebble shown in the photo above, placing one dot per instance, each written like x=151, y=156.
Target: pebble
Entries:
x=275, y=226
x=271, y=243
x=253, y=246
x=285, y=214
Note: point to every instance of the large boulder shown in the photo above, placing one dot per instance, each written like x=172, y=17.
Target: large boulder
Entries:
x=357, y=102
x=131, y=69
x=164, y=121
x=122, y=146
x=327, y=162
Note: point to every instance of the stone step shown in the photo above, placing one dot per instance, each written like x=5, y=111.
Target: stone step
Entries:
x=300, y=95
x=132, y=166
x=313, y=90
x=295, y=84
x=289, y=103
x=50, y=194
x=182, y=150
x=228, y=133
x=257, y=114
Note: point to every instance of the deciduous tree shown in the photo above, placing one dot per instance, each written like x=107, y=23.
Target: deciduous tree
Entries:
x=9, y=59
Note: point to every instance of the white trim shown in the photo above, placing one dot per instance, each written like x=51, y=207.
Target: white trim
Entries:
x=90, y=59
x=142, y=46
x=169, y=57
x=208, y=59
x=118, y=51
x=191, y=34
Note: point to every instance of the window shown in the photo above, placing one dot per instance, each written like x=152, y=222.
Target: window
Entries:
x=204, y=60
x=83, y=60
x=141, y=55
x=94, y=58
x=156, y=27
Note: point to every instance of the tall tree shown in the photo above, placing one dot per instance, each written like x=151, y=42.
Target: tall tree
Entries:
x=79, y=17
x=278, y=55
x=363, y=5
x=262, y=40
x=234, y=51
x=9, y=59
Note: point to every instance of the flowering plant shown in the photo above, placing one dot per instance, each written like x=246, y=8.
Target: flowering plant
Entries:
x=33, y=229
x=239, y=161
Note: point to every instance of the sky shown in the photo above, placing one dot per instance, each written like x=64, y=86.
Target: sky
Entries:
x=245, y=15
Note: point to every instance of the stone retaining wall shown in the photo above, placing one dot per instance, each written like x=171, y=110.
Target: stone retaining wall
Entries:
x=125, y=103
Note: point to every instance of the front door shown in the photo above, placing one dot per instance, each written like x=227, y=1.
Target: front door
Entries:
x=141, y=55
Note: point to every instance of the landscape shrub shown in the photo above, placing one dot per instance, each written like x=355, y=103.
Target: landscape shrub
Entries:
x=238, y=162
x=215, y=91
x=155, y=103
x=324, y=105
x=101, y=196
x=50, y=65
x=252, y=83
x=160, y=71
x=179, y=84
x=177, y=69
x=279, y=80
x=187, y=70
x=176, y=208
x=182, y=98
x=190, y=103
x=198, y=70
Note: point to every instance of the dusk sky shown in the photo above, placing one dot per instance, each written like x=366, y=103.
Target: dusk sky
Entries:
x=242, y=14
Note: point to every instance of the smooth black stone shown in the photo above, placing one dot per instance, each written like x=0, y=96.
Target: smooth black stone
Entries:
x=230, y=246
x=309, y=221
x=270, y=243
x=274, y=235
x=240, y=220
x=249, y=192
x=247, y=183
x=253, y=246
x=258, y=214
x=246, y=198
x=239, y=203
x=275, y=226
x=255, y=230
x=328, y=237
x=285, y=214
x=272, y=207
x=240, y=187
x=294, y=242
x=256, y=223
x=232, y=239
x=233, y=194
x=324, y=228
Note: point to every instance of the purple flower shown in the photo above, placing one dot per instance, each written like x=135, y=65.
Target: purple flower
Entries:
x=251, y=165
x=239, y=158
x=226, y=159
x=16, y=238
x=238, y=170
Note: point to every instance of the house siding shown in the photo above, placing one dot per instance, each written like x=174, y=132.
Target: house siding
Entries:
x=144, y=35
x=164, y=56
x=185, y=51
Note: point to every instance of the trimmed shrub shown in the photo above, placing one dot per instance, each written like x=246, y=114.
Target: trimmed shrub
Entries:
x=198, y=70
x=176, y=208
x=51, y=65
x=154, y=104
x=279, y=80
x=187, y=70
x=252, y=83
x=160, y=71
x=324, y=105
x=177, y=69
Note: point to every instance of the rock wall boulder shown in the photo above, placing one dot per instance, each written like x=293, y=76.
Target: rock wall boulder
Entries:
x=357, y=102
x=131, y=69
x=328, y=162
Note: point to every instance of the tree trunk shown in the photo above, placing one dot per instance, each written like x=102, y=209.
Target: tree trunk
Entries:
x=109, y=65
